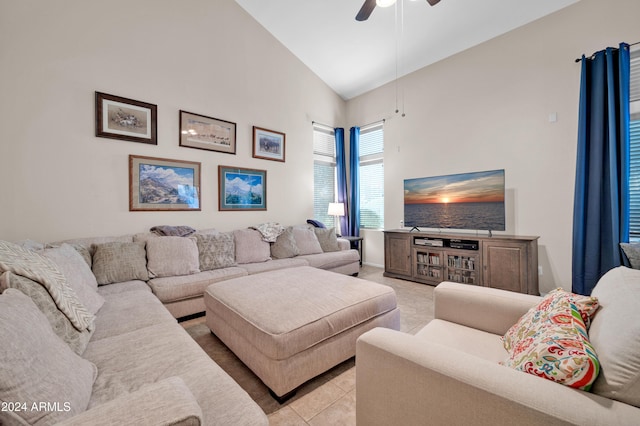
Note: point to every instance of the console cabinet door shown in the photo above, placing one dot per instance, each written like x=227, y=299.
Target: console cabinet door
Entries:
x=505, y=265
x=397, y=254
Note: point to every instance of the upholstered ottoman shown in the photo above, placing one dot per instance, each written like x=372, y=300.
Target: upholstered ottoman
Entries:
x=292, y=324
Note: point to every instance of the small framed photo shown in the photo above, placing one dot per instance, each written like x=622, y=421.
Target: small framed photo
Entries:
x=160, y=184
x=202, y=132
x=126, y=119
x=241, y=189
x=268, y=144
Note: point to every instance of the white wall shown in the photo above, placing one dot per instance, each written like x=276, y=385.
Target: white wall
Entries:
x=58, y=180
x=484, y=108
x=488, y=108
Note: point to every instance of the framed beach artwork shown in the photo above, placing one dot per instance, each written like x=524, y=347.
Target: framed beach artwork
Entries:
x=202, y=132
x=268, y=144
x=161, y=184
x=126, y=119
x=241, y=189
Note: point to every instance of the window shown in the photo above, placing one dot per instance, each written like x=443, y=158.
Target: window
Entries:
x=324, y=172
x=634, y=134
x=372, y=176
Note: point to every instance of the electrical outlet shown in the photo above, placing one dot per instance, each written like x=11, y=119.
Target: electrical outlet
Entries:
x=540, y=270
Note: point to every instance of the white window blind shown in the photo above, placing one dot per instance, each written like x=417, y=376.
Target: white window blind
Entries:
x=371, y=161
x=324, y=172
x=634, y=136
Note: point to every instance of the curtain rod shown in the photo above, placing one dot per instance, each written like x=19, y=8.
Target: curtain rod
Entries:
x=315, y=123
x=326, y=126
x=632, y=44
x=375, y=123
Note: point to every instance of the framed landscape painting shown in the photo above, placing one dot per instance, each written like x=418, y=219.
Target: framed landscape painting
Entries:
x=126, y=119
x=241, y=189
x=268, y=144
x=202, y=132
x=163, y=185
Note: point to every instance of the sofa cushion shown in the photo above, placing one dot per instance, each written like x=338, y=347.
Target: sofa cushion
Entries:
x=90, y=243
x=171, y=289
x=132, y=311
x=476, y=342
x=306, y=240
x=327, y=238
x=78, y=275
x=38, y=367
x=272, y=265
x=129, y=361
x=61, y=325
x=556, y=345
x=115, y=262
x=38, y=268
x=332, y=259
x=285, y=245
x=216, y=251
x=250, y=248
x=172, y=256
x=615, y=333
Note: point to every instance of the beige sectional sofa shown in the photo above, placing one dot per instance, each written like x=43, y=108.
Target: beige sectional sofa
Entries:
x=449, y=372
x=89, y=331
x=181, y=282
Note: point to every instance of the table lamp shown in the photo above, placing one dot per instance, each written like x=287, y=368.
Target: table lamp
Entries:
x=336, y=209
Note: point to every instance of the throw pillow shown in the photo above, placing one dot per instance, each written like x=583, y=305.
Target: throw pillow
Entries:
x=38, y=367
x=216, y=251
x=632, y=252
x=62, y=327
x=285, y=245
x=78, y=275
x=306, y=240
x=327, y=239
x=528, y=323
x=250, y=248
x=172, y=256
x=36, y=267
x=116, y=262
x=556, y=345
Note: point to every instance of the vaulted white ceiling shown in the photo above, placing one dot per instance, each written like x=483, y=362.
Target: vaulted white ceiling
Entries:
x=354, y=57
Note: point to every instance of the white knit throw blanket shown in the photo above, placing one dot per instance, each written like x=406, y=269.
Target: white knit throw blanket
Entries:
x=270, y=231
x=31, y=265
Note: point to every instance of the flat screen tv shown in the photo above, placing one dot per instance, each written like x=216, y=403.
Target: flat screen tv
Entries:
x=469, y=201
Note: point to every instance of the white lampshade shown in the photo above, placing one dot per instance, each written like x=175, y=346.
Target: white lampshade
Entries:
x=336, y=209
x=385, y=3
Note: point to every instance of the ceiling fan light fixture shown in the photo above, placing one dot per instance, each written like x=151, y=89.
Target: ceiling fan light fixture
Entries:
x=385, y=3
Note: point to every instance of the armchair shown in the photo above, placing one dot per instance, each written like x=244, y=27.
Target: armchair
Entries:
x=449, y=373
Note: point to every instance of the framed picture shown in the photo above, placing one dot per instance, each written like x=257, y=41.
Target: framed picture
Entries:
x=241, y=189
x=201, y=132
x=268, y=144
x=125, y=119
x=162, y=184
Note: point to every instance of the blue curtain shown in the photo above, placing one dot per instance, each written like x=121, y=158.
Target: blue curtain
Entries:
x=354, y=167
x=341, y=171
x=601, y=204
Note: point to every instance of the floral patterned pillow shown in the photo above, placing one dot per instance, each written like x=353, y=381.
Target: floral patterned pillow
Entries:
x=528, y=323
x=552, y=342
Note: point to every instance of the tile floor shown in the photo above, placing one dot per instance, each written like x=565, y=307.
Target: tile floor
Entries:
x=330, y=398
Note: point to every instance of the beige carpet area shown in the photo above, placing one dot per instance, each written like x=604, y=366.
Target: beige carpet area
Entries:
x=328, y=399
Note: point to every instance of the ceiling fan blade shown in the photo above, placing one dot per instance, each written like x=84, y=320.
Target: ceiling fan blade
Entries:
x=366, y=9
x=433, y=2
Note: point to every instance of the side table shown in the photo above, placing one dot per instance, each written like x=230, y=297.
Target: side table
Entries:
x=356, y=243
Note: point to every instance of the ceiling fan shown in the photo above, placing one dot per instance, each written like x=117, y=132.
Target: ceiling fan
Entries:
x=369, y=5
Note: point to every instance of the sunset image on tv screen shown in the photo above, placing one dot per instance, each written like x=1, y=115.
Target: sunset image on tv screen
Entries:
x=473, y=201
